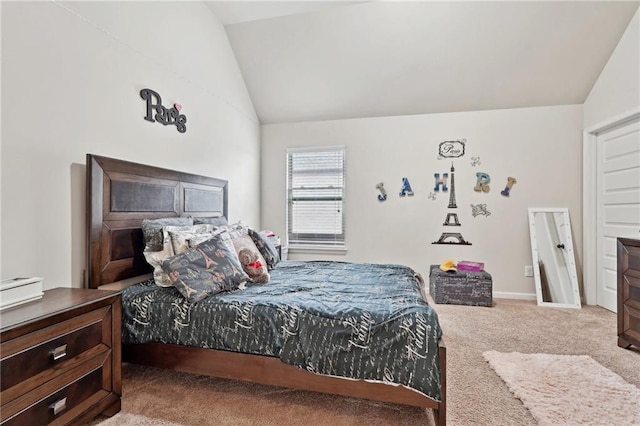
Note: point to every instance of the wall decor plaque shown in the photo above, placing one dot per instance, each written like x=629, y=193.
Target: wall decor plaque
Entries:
x=452, y=149
x=163, y=114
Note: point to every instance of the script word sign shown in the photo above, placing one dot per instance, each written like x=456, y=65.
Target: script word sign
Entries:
x=162, y=114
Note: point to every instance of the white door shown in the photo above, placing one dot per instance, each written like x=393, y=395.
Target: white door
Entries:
x=618, y=201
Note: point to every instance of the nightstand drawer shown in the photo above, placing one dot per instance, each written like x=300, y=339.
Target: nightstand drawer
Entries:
x=61, y=399
x=60, y=358
x=37, y=357
x=631, y=289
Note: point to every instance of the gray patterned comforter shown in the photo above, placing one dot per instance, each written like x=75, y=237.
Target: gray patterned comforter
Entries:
x=362, y=321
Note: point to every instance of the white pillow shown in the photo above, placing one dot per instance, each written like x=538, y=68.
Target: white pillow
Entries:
x=181, y=238
x=155, y=258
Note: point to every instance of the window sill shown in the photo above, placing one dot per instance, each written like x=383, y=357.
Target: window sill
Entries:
x=317, y=249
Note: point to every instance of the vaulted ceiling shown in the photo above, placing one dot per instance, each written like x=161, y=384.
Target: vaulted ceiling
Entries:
x=305, y=61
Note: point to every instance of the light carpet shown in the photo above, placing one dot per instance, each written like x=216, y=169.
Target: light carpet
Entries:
x=567, y=389
x=128, y=419
x=476, y=395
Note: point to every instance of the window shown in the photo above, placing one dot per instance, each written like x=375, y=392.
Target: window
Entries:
x=315, y=192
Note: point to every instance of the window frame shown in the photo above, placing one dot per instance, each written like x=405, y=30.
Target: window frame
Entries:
x=302, y=241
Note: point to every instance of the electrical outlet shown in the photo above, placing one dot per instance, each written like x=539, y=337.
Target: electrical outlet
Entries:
x=528, y=271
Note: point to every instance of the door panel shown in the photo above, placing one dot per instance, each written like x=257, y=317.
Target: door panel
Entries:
x=618, y=200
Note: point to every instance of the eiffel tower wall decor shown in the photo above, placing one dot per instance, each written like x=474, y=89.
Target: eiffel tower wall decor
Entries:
x=452, y=218
x=452, y=238
x=452, y=194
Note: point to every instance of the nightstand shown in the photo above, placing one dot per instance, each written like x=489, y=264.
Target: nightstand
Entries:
x=283, y=252
x=61, y=358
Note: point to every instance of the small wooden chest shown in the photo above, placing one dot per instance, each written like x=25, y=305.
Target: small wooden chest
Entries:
x=460, y=287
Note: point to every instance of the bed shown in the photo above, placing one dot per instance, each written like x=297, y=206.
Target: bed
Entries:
x=289, y=312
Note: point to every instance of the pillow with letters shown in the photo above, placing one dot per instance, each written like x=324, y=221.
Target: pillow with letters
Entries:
x=156, y=257
x=182, y=239
x=211, y=267
x=168, y=249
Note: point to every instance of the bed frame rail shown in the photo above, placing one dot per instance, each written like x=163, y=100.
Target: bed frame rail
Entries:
x=271, y=371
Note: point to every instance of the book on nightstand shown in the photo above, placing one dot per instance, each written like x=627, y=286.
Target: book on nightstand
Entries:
x=16, y=291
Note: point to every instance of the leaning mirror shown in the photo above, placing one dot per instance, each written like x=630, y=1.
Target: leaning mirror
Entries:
x=554, y=266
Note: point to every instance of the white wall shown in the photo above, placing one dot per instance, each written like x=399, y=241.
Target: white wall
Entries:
x=1, y=275
x=617, y=89
x=71, y=77
x=540, y=147
x=614, y=96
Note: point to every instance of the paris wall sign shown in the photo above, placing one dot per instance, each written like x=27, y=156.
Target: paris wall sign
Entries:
x=451, y=149
x=163, y=114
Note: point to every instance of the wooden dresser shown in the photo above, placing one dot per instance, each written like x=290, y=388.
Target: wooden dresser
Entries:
x=61, y=358
x=628, y=292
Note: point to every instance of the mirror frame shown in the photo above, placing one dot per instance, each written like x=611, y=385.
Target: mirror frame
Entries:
x=571, y=267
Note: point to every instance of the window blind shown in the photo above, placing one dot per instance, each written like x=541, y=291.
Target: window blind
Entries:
x=315, y=192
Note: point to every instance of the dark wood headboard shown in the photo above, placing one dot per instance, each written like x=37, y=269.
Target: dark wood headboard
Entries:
x=120, y=194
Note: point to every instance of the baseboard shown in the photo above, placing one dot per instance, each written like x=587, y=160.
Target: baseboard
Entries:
x=509, y=295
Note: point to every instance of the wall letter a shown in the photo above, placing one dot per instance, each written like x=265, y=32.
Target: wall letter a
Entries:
x=406, y=188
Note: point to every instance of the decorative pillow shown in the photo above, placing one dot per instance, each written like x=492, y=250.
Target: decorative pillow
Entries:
x=225, y=237
x=156, y=257
x=266, y=248
x=181, y=238
x=152, y=230
x=218, y=220
x=210, y=268
x=252, y=262
x=235, y=230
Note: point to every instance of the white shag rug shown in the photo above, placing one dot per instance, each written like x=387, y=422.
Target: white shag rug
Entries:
x=567, y=389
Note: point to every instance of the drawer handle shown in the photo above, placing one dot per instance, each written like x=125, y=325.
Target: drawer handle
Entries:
x=59, y=352
x=59, y=406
